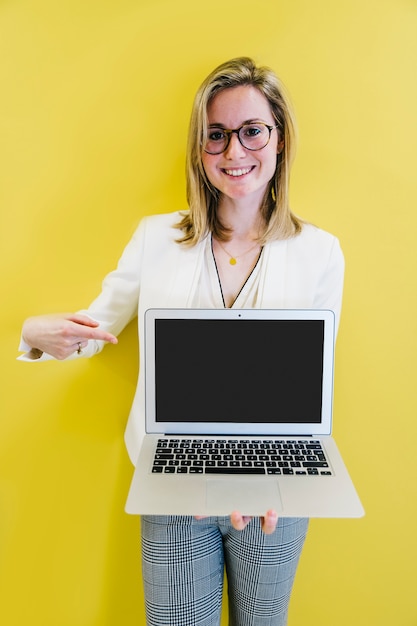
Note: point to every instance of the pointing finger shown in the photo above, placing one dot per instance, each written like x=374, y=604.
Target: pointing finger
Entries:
x=85, y=332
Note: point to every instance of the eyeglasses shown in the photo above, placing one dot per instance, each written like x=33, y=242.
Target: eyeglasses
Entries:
x=251, y=136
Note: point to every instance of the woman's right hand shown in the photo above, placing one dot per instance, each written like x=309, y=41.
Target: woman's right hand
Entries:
x=62, y=335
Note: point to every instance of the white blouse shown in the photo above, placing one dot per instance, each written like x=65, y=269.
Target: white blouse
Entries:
x=208, y=294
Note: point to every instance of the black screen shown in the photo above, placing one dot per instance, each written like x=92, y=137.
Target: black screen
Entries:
x=238, y=370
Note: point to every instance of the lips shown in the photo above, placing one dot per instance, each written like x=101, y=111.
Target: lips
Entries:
x=241, y=171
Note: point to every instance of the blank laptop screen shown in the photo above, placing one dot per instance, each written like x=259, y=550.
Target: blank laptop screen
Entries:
x=247, y=371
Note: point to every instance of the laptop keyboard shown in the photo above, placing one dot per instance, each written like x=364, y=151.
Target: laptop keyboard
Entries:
x=298, y=457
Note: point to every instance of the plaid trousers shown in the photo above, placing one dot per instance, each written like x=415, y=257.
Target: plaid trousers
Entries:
x=183, y=562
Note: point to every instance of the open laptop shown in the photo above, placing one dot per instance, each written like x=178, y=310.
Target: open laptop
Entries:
x=239, y=416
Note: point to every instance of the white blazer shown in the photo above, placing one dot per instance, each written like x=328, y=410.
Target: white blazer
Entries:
x=305, y=271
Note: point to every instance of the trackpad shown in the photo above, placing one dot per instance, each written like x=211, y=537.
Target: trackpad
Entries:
x=225, y=495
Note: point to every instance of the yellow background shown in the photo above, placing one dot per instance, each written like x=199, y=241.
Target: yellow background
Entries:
x=94, y=107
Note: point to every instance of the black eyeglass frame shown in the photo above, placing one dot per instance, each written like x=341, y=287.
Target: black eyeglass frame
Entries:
x=229, y=132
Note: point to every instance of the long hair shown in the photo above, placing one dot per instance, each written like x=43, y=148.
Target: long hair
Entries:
x=202, y=197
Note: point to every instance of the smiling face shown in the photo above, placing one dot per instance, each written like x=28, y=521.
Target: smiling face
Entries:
x=238, y=172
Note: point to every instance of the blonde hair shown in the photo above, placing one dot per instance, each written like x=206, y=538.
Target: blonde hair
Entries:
x=202, y=197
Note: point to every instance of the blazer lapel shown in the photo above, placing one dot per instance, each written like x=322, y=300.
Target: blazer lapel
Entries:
x=187, y=266
x=273, y=283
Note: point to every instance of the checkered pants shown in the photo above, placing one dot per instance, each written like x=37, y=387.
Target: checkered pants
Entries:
x=183, y=562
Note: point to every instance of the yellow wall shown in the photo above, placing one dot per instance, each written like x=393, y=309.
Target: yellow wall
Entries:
x=94, y=106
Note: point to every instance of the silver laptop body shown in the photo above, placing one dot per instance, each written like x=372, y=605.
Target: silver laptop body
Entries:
x=239, y=416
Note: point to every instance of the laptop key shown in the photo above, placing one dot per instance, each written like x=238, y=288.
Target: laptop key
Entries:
x=315, y=464
x=235, y=470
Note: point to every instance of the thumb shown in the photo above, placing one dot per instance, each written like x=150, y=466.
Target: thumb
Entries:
x=82, y=319
x=269, y=522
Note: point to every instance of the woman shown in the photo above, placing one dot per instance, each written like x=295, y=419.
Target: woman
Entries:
x=239, y=246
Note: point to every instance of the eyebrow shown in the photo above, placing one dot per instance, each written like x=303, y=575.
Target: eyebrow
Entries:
x=251, y=121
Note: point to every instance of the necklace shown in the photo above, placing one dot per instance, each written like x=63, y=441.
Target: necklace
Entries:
x=233, y=259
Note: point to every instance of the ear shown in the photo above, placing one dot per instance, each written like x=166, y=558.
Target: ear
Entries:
x=280, y=146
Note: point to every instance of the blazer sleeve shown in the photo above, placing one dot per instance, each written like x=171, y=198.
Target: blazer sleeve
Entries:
x=117, y=303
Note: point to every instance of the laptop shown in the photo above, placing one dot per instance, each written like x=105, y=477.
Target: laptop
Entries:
x=239, y=416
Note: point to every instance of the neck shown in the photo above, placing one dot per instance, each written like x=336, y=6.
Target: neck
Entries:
x=241, y=218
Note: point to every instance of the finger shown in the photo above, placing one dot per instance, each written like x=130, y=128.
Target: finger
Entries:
x=239, y=521
x=80, y=344
x=269, y=522
x=97, y=334
x=83, y=332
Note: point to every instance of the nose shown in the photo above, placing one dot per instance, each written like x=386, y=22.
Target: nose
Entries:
x=234, y=148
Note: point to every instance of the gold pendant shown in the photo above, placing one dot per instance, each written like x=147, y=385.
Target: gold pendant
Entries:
x=232, y=261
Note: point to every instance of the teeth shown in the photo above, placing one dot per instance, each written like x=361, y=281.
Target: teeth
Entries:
x=239, y=172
